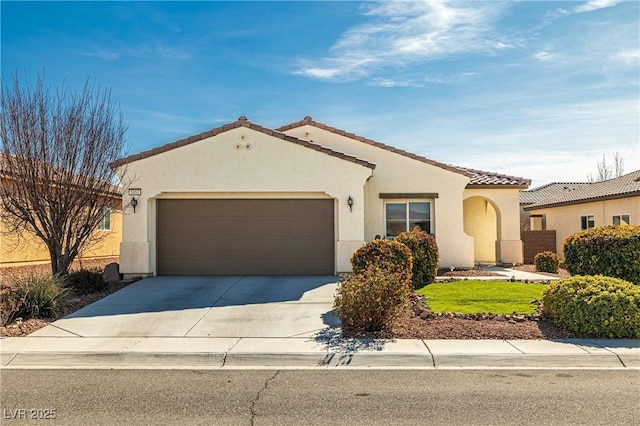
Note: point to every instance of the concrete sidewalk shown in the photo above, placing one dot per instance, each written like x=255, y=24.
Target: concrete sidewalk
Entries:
x=505, y=273
x=322, y=351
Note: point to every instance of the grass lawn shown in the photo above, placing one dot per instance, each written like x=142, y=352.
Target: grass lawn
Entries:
x=474, y=297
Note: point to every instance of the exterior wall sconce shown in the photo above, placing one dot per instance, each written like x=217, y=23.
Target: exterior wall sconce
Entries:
x=350, y=203
x=133, y=192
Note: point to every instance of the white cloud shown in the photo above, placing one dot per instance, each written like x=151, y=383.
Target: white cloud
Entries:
x=140, y=51
x=104, y=54
x=387, y=82
x=629, y=56
x=401, y=33
x=595, y=5
x=543, y=55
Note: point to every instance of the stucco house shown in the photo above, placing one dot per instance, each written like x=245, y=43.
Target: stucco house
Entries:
x=27, y=249
x=300, y=199
x=612, y=202
x=539, y=194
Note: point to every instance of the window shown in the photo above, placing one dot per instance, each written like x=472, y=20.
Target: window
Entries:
x=400, y=217
x=105, y=222
x=621, y=219
x=588, y=221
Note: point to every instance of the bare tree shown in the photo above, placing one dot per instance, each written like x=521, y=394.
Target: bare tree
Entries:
x=57, y=146
x=605, y=171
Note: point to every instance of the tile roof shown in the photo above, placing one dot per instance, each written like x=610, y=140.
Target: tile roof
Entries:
x=479, y=178
x=8, y=171
x=550, y=190
x=240, y=122
x=622, y=187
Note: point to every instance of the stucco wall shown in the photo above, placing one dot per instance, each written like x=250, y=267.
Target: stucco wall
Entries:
x=217, y=168
x=507, y=208
x=481, y=222
x=565, y=220
x=29, y=250
x=396, y=173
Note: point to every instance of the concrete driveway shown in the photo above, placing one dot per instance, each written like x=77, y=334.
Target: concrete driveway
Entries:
x=207, y=307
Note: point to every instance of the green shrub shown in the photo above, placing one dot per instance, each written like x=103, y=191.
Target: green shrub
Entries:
x=390, y=256
x=10, y=303
x=371, y=299
x=86, y=281
x=547, y=261
x=42, y=296
x=426, y=257
x=594, y=306
x=607, y=250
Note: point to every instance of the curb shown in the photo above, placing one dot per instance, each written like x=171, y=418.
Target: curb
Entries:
x=239, y=353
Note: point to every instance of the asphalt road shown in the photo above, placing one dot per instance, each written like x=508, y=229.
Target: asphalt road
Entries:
x=310, y=397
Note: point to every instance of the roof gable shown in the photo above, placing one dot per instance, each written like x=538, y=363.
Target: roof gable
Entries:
x=241, y=122
x=479, y=178
x=621, y=187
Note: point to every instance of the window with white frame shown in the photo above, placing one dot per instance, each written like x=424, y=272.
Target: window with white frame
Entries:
x=621, y=219
x=401, y=217
x=588, y=221
x=105, y=222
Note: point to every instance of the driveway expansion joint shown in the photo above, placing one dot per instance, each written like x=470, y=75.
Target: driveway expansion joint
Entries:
x=514, y=346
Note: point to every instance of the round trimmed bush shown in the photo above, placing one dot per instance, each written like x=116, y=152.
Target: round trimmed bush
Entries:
x=607, y=250
x=426, y=257
x=371, y=299
x=594, y=306
x=547, y=261
x=390, y=256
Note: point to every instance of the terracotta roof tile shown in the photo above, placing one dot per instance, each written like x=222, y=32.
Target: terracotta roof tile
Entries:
x=241, y=122
x=479, y=178
x=621, y=187
x=550, y=190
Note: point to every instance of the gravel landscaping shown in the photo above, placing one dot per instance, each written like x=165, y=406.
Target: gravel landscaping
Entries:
x=8, y=276
x=419, y=323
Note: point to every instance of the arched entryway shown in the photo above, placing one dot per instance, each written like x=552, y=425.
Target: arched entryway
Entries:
x=482, y=222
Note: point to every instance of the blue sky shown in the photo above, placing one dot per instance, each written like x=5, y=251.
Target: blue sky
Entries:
x=536, y=89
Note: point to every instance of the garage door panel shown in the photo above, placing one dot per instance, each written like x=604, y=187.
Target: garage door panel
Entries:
x=218, y=246
x=245, y=237
x=229, y=209
x=182, y=251
x=269, y=208
x=315, y=208
x=308, y=247
x=308, y=229
x=223, y=228
x=184, y=208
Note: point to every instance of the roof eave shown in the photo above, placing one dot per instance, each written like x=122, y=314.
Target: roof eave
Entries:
x=308, y=121
x=583, y=201
x=497, y=185
x=241, y=122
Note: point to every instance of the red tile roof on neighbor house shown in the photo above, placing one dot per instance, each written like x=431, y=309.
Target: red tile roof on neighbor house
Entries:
x=550, y=190
x=621, y=187
x=240, y=122
x=7, y=172
x=479, y=178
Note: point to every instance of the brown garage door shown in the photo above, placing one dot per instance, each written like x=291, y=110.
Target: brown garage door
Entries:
x=245, y=237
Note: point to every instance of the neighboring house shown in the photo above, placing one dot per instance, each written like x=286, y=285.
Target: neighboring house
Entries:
x=612, y=202
x=540, y=194
x=27, y=249
x=245, y=199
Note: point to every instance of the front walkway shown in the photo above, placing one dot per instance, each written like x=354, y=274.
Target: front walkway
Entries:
x=504, y=273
